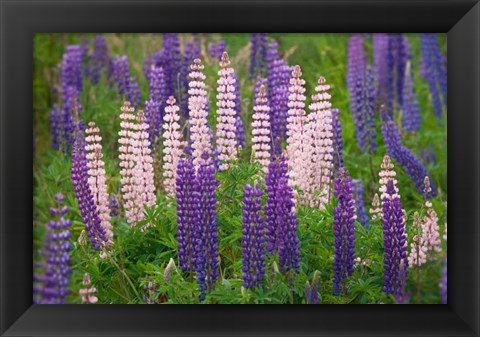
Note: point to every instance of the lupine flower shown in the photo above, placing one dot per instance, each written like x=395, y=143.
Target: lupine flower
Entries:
x=226, y=136
x=188, y=233
x=216, y=49
x=356, y=63
x=261, y=129
x=192, y=52
x=96, y=178
x=113, y=205
x=253, y=238
x=170, y=60
x=69, y=117
x=258, y=54
x=402, y=297
x=344, y=232
x=430, y=231
x=337, y=140
x=376, y=211
x=435, y=72
x=56, y=126
x=168, y=270
x=401, y=53
x=278, y=83
x=318, y=132
x=199, y=130
x=150, y=296
x=239, y=129
x=172, y=145
x=404, y=156
x=156, y=104
x=88, y=293
x=395, y=241
x=357, y=191
x=427, y=155
x=443, y=283
x=100, y=59
x=71, y=70
x=311, y=290
x=417, y=256
x=133, y=92
x=380, y=52
x=411, y=110
x=84, y=195
x=121, y=73
x=206, y=249
x=52, y=286
x=148, y=63
x=297, y=144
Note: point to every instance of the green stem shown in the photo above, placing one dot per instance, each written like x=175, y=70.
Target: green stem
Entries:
x=126, y=276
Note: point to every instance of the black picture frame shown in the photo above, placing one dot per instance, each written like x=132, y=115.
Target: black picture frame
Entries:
x=19, y=20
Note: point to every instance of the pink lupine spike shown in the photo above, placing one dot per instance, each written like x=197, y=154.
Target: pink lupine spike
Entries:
x=261, y=129
x=226, y=129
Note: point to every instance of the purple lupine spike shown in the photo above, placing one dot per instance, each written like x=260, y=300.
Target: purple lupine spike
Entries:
x=148, y=63
x=216, y=49
x=288, y=242
x=113, y=205
x=239, y=129
x=435, y=72
x=192, y=52
x=311, y=290
x=170, y=60
x=100, y=59
x=380, y=51
x=253, y=238
x=83, y=193
x=258, y=54
x=410, y=107
x=134, y=96
x=207, y=256
x=344, y=232
x=121, y=73
x=276, y=170
x=404, y=156
x=187, y=206
x=69, y=115
x=71, y=69
x=56, y=126
x=395, y=247
x=356, y=64
x=155, y=106
x=52, y=286
x=400, y=59
x=443, y=283
x=337, y=139
x=278, y=81
x=357, y=190
x=427, y=155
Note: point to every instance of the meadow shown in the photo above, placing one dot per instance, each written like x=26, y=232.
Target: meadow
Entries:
x=269, y=201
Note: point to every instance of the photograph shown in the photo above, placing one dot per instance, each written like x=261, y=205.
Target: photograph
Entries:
x=240, y=168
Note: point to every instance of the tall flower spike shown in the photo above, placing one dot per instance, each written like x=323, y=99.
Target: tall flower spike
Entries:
x=357, y=190
x=156, y=104
x=258, y=54
x=207, y=256
x=197, y=100
x=88, y=293
x=297, y=152
x=417, y=256
x=51, y=287
x=192, y=52
x=395, y=240
x=172, y=145
x=188, y=230
x=99, y=60
x=344, y=232
x=96, y=178
x=121, y=73
x=253, y=238
x=410, y=107
x=226, y=130
x=261, y=129
x=311, y=290
x=84, y=196
x=319, y=134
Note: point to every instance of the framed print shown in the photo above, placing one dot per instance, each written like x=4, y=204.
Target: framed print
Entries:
x=179, y=157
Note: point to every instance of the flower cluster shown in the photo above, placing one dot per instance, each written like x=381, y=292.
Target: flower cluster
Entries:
x=226, y=135
x=100, y=60
x=197, y=100
x=435, y=72
x=88, y=293
x=96, y=178
x=261, y=129
x=127, y=85
x=51, y=287
x=411, y=111
x=344, y=232
x=136, y=165
x=216, y=49
x=258, y=54
x=253, y=237
x=155, y=105
x=311, y=290
x=86, y=202
x=170, y=60
x=172, y=145
x=357, y=190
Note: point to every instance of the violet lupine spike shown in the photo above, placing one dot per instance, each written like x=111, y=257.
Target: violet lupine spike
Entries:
x=71, y=70
x=402, y=297
x=133, y=92
x=435, y=72
x=404, y=156
x=357, y=190
x=56, y=126
x=206, y=254
x=395, y=241
x=380, y=51
x=443, y=283
x=226, y=131
x=311, y=290
x=411, y=111
x=337, y=140
x=216, y=49
x=258, y=54
x=344, y=232
x=187, y=211
x=278, y=83
x=261, y=129
x=276, y=170
x=356, y=64
x=253, y=238
x=121, y=73
x=113, y=206
x=84, y=195
x=170, y=60
x=156, y=104
x=99, y=60
x=400, y=58
x=427, y=155
x=69, y=115
x=239, y=129
x=148, y=63
x=52, y=286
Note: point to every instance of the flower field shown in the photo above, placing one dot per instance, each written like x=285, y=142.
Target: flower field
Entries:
x=240, y=168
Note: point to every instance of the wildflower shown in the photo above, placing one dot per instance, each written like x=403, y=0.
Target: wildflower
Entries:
x=258, y=54
x=311, y=290
x=88, y=293
x=357, y=191
x=411, y=110
x=261, y=129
